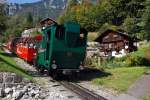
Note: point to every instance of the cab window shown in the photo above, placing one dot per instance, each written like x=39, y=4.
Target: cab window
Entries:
x=60, y=33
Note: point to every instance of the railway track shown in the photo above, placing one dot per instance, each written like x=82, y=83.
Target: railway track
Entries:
x=82, y=92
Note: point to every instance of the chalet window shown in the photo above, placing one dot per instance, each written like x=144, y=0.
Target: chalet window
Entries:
x=106, y=37
x=115, y=36
x=110, y=45
x=126, y=47
x=135, y=44
x=82, y=36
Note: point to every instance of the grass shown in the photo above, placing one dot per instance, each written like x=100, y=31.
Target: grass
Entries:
x=147, y=97
x=7, y=64
x=92, y=36
x=120, y=78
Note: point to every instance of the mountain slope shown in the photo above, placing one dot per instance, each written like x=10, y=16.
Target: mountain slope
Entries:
x=43, y=8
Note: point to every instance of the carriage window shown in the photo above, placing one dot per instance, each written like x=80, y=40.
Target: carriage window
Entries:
x=60, y=34
x=48, y=35
x=48, y=44
x=81, y=35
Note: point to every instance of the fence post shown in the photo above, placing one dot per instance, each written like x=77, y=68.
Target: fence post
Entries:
x=99, y=61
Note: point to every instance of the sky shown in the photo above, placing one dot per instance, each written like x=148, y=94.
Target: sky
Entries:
x=22, y=1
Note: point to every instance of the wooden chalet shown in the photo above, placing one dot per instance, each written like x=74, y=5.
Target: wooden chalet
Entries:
x=113, y=43
x=46, y=22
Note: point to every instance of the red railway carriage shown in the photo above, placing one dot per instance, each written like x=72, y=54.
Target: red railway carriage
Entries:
x=12, y=44
x=24, y=47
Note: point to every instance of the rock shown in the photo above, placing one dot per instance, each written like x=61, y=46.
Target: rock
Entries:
x=25, y=96
x=25, y=88
x=36, y=91
x=17, y=94
x=29, y=89
x=26, y=80
x=1, y=77
x=9, y=85
x=9, y=79
x=18, y=86
x=37, y=96
x=29, y=84
x=2, y=93
x=30, y=98
x=32, y=93
x=8, y=90
x=14, y=89
x=8, y=96
x=17, y=79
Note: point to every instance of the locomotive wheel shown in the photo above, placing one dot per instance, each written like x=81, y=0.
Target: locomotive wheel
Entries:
x=50, y=73
x=34, y=63
x=55, y=75
x=37, y=68
x=41, y=70
x=74, y=75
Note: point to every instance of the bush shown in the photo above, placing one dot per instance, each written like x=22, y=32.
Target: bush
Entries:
x=137, y=58
x=147, y=55
x=3, y=39
x=136, y=61
x=88, y=62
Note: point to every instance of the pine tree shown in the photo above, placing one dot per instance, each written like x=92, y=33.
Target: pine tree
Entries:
x=146, y=20
x=29, y=20
x=2, y=19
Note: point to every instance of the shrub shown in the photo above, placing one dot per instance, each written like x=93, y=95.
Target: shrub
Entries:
x=88, y=62
x=137, y=58
x=3, y=39
x=136, y=61
x=147, y=55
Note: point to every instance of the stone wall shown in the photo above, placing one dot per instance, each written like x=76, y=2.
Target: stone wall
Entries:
x=9, y=80
x=15, y=87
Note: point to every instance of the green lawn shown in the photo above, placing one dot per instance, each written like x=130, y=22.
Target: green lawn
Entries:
x=147, y=97
x=7, y=64
x=120, y=78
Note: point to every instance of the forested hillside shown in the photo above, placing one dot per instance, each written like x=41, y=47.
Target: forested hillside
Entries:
x=2, y=20
x=14, y=25
x=131, y=16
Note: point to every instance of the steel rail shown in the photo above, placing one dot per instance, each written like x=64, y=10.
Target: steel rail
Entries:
x=82, y=92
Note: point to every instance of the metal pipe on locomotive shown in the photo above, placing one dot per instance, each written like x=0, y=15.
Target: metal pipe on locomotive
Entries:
x=62, y=48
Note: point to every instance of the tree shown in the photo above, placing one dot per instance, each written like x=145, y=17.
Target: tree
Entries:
x=146, y=21
x=119, y=14
x=2, y=19
x=29, y=20
x=15, y=25
x=72, y=3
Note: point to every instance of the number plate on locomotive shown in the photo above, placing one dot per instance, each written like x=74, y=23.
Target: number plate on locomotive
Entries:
x=69, y=54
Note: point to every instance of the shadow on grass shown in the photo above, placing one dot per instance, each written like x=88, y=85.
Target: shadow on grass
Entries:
x=8, y=55
x=13, y=66
x=87, y=74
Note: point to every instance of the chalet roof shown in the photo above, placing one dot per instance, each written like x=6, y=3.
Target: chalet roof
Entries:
x=47, y=21
x=123, y=34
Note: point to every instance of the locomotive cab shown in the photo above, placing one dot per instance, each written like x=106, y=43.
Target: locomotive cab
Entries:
x=62, y=48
